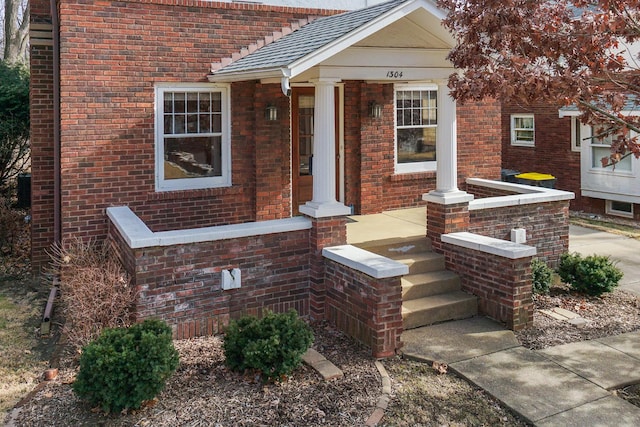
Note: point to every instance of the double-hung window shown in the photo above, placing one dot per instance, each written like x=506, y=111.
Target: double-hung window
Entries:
x=416, y=128
x=192, y=137
x=600, y=143
x=523, y=130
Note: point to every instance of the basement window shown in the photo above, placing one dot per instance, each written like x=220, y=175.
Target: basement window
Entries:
x=624, y=209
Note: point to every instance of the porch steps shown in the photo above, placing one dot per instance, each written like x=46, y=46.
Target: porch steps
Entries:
x=430, y=293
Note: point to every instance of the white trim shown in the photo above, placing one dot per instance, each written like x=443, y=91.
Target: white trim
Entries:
x=609, y=195
x=137, y=235
x=611, y=211
x=161, y=184
x=374, y=265
x=527, y=195
x=578, y=130
x=490, y=245
x=521, y=143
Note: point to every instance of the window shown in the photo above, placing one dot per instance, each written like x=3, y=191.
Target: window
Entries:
x=576, y=134
x=192, y=137
x=617, y=208
x=522, y=130
x=601, y=148
x=416, y=128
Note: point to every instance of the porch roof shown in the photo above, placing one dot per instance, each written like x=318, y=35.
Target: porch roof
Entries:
x=324, y=38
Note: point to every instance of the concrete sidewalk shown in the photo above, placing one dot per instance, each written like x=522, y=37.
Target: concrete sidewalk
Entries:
x=624, y=250
x=560, y=386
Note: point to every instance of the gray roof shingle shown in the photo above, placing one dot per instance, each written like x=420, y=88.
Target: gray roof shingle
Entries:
x=307, y=39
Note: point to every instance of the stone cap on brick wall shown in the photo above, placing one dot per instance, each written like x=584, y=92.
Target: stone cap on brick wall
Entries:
x=503, y=248
x=137, y=235
x=374, y=265
x=527, y=194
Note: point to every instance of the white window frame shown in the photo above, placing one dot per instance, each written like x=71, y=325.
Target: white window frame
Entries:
x=577, y=132
x=163, y=184
x=611, y=211
x=520, y=142
x=609, y=170
x=414, y=167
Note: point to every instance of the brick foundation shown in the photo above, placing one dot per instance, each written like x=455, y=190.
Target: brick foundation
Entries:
x=365, y=308
x=502, y=285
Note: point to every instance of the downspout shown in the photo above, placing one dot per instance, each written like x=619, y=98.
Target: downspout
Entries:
x=57, y=207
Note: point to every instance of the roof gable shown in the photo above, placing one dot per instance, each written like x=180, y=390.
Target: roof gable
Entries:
x=323, y=38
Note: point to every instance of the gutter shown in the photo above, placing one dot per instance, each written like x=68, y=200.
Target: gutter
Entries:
x=57, y=206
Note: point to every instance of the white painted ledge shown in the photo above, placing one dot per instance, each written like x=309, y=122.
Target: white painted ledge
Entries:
x=138, y=235
x=489, y=245
x=528, y=194
x=371, y=264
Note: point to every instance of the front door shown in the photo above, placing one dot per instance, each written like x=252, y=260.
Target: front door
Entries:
x=303, y=107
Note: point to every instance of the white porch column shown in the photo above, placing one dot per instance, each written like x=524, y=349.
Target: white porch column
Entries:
x=447, y=191
x=324, y=202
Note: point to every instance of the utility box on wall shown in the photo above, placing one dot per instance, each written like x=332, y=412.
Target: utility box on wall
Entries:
x=231, y=279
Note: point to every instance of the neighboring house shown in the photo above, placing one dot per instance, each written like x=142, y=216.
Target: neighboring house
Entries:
x=220, y=146
x=544, y=139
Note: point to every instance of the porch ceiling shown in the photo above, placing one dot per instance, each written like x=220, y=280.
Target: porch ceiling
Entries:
x=399, y=33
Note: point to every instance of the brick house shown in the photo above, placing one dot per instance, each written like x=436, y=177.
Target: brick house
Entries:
x=220, y=146
x=562, y=146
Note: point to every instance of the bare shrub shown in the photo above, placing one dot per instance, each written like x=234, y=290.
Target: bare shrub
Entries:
x=95, y=290
x=13, y=230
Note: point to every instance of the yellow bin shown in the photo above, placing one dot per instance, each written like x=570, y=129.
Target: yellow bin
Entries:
x=536, y=179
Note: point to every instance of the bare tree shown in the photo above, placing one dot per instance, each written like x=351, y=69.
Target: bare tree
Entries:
x=15, y=34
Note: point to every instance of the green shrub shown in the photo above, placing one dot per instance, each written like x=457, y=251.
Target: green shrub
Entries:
x=273, y=345
x=542, y=275
x=124, y=367
x=593, y=275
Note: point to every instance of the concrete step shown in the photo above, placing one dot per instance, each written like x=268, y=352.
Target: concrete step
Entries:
x=424, y=262
x=422, y=285
x=438, y=308
x=395, y=247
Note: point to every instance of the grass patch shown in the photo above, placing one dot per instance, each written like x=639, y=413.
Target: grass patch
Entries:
x=610, y=227
x=422, y=397
x=21, y=364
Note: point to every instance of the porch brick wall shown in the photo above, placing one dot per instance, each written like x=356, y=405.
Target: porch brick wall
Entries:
x=112, y=54
x=445, y=219
x=181, y=284
x=547, y=226
x=502, y=285
x=365, y=308
x=325, y=232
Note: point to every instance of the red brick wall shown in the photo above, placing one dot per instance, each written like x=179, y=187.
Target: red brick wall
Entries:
x=368, y=309
x=502, y=285
x=479, y=142
x=547, y=226
x=41, y=100
x=181, y=284
x=552, y=152
x=41, y=96
x=112, y=54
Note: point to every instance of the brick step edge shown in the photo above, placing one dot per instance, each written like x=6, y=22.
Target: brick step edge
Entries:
x=383, y=400
x=328, y=370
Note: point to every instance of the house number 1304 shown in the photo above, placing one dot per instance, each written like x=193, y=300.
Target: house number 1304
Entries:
x=394, y=74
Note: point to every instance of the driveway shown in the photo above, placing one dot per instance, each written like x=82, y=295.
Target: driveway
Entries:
x=624, y=250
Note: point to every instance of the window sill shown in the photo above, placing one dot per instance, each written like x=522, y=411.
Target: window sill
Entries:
x=193, y=194
x=412, y=176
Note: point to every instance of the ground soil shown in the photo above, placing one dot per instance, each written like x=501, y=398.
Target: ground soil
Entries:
x=203, y=392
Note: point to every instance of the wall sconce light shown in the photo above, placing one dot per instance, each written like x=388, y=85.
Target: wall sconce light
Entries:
x=375, y=110
x=271, y=113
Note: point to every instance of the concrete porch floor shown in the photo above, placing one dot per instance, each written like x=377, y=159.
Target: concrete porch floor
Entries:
x=386, y=225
